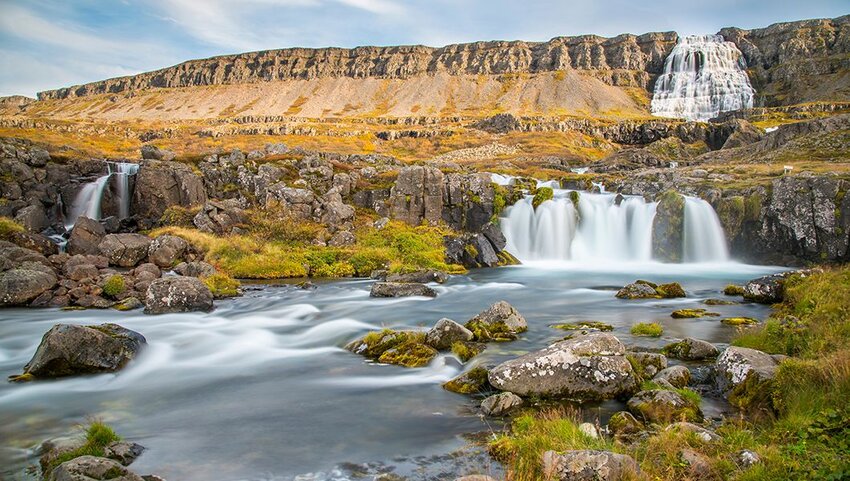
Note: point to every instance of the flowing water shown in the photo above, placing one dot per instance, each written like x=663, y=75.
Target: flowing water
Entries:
x=262, y=389
x=703, y=76
x=88, y=201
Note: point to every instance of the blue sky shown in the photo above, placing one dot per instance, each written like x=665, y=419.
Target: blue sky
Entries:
x=47, y=44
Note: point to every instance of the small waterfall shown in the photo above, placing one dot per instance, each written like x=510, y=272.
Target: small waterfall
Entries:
x=704, y=240
x=703, y=76
x=88, y=200
x=600, y=229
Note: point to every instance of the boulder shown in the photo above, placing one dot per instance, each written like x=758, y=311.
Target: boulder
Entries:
x=85, y=237
x=668, y=226
x=445, y=333
x=500, y=404
x=68, y=350
x=401, y=289
x=152, y=152
x=677, y=376
x=161, y=184
x=220, y=216
x=13, y=256
x=690, y=349
x=24, y=283
x=473, y=381
x=637, y=290
x=178, y=294
x=585, y=367
x=33, y=218
x=342, y=238
x=500, y=321
x=417, y=195
x=336, y=214
x=742, y=373
x=766, y=290
x=88, y=468
x=125, y=250
x=705, y=435
x=124, y=452
x=662, y=406
x=650, y=363
x=588, y=465
x=194, y=269
x=166, y=250
x=623, y=423
x=422, y=277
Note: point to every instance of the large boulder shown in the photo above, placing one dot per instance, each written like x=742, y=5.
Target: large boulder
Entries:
x=85, y=237
x=668, y=227
x=766, y=290
x=445, y=333
x=90, y=468
x=68, y=350
x=500, y=321
x=161, y=184
x=743, y=373
x=586, y=367
x=589, y=465
x=661, y=406
x=401, y=289
x=677, y=376
x=125, y=250
x=27, y=281
x=637, y=290
x=178, y=294
x=690, y=349
x=220, y=216
x=166, y=250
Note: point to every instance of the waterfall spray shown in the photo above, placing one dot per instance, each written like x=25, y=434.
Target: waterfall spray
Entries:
x=88, y=200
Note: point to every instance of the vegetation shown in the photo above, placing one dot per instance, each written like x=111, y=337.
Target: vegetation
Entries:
x=114, y=286
x=98, y=437
x=584, y=326
x=404, y=348
x=473, y=381
x=651, y=329
x=543, y=194
x=733, y=290
x=466, y=350
x=221, y=285
x=691, y=313
x=8, y=228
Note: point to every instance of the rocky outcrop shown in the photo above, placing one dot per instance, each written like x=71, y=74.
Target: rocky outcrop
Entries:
x=125, y=250
x=417, y=195
x=668, y=227
x=85, y=468
x=68, y=350
x=644, y=53
x=586, y=367
x=178, y=294
x=220, y=216
x=589, y=465
x=161, y=184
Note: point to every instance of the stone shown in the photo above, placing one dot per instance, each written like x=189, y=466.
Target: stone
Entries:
x=766, y=290
x=677, y=376
x=85, y=237
x=699, y=466
x=401, y=289
x=342, y=238
x=743, y=373
x=178, y=294
x=473, y=381
x=703, y=434
x=585, y=367
x=690, y=349
x=663, y=406
x=195, y=269
x=79, y=272
x=123, y=452
x=417, y=195
x=500, y=404
x=637, y=291
x=668, y=226
x=89, y=468
x=24, y=283
x=153, y=152
x=125, y=250
x=747, y=458
x=220, y=216
x=589, y=430
x=166, y=250
x=33, y=218
x=422, y=277
x=129, y=304
x=68, y=350
x=336, y=214
x=161, y=184
x=589, y=465
x=650, y=362
x=445, y=333
x=624, y=424
x=500, y=321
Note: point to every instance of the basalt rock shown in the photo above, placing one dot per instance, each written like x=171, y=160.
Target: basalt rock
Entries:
x=422, y=277
x=125, y=250
x=667, y=227
x=161, y=184
x=417, y=195
x=86, y=237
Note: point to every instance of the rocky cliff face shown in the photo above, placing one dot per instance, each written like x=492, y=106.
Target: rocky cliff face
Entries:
x=797, y=62
x=644, y=54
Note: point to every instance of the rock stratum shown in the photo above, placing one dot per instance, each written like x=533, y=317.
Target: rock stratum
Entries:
x=589, y=75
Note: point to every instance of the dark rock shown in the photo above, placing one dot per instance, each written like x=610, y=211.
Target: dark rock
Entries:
x=220, y=216
x=401, y=289
x=637, y=290
x=677, y=376
x=125, y=250
x=650, y=363
x=161, y=184
x=86, y=237
x=422, y=277
x=178, y=294
x=766, y=290
x=417, y=195
x=690, y=349
x=500, y=321
x=24, y=283
x=166, y=250
x=123, y=452
x=68, y=350
x=667, y=227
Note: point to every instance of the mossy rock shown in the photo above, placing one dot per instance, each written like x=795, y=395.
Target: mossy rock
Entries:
x=668, y=226
x=114, y=286
x=507, y=259
x=497, y=331
x=718, y=302
x=584, y=326
x=733, y=290
x=403, y=348
x=623, y=423
x=543, y=194
x=646, y=283
x=471, y=382
x=663, y=406
x=670, y=290
x=467, y=350
x=409, y=354
x=691, y=313
x=739, y=321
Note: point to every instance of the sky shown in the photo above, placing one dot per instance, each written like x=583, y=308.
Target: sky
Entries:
x=47, y=44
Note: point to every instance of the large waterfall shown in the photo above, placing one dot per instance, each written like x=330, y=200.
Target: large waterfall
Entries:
x=590, y=227
x=703, y=76
x=88, y=200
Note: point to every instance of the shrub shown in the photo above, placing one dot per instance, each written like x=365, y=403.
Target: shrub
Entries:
x=114, y=286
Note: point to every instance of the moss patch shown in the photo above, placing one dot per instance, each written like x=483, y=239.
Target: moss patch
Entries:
x=403, y=348
x=543, y=194
x=221, y=285
x=733, y=290
x=691, y=313
x=114, y=286
x=98, y=436
x=739, y=321
x=467, y=350
x=651, y=329
x=471, y=382
x=584, y=326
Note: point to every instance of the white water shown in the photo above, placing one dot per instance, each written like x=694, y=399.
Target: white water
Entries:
x=600, y=231
x=703, y=76
x=704, y=240
x=90, y=197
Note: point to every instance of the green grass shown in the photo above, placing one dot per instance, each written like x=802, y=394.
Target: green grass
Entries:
x=649, y=329
x=221, y=285
x=8, y=228
x=98, y=436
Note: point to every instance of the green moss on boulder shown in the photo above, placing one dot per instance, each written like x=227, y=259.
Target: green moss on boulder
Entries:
x=471, y=382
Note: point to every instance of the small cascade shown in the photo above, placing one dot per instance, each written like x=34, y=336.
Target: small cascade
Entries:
x=704, y=240
x=703, y=76
x=88, y=200
x=601, y=228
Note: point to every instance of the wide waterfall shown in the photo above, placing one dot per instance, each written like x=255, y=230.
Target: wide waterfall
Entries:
x=703, y=76
x=90, y=197
x=604, y=227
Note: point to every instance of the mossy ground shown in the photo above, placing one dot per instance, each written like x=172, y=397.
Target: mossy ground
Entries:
x=221, y=285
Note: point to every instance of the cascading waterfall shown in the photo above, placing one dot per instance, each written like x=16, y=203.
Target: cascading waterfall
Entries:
x=599, y=229
x=704, y=240
x=88, y=200
x=703, y=76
